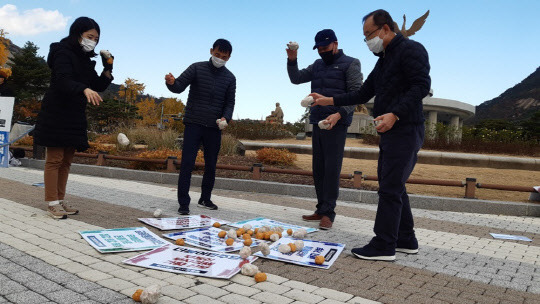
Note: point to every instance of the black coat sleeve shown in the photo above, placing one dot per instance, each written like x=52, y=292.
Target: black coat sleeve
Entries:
x=415, y=65
x=230, y=100
x=100, y=83
x=360, y=96
x=184, y=80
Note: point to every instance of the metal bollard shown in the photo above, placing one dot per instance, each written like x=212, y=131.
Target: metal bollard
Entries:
x=256, y=169
x=470, y=187
x=357, y=179
x=171, y=167
x=101, y=158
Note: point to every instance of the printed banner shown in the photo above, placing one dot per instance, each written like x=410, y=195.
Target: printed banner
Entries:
x=184, y=222
x=208, y=238
x=306, y=257
x=123, y=239
x=4, y=151
x=261, y=221
x=191, y=261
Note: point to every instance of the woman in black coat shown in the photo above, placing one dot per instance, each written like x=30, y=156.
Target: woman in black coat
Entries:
x=61, y=124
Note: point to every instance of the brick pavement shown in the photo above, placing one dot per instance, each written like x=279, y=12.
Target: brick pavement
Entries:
x=458, y=262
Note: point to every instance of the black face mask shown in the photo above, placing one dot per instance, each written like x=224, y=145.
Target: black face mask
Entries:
x=327, y=57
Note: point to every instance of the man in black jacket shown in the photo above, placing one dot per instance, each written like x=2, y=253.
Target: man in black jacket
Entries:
x=335, y=73
x=209, y=107
x=399, y=82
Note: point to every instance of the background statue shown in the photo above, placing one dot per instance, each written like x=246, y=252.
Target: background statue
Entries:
x=415, y=27
x=361, y=109
x=276, y=116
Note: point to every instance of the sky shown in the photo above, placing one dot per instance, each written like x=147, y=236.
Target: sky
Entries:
x=477, y=49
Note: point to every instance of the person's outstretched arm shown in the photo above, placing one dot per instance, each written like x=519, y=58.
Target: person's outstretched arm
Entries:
x=179, y=84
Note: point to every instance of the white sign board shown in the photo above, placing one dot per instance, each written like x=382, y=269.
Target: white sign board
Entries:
x=191, y=261
x=261, y=221
x=208, y=238
x=6, y=113
x=306, y=257
x=123, y=239
x=184, y=222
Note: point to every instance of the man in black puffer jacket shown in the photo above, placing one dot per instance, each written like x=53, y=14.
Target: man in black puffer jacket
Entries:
x=399, y=82
x=335, y=73
x=209, y=107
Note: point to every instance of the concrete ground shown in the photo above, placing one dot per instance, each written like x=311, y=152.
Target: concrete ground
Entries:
x=44, y=260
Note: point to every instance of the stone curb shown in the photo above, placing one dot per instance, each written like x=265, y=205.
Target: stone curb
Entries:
x=351, y=195
x=424, y=157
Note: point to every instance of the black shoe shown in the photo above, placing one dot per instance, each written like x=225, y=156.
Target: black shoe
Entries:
x=183, y=211
x=408, y=247
x=207, y=204
x=369, y=252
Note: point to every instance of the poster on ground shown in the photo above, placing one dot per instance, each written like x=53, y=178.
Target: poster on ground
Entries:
x=183, y=222
x=510, y=237
x=261, y=221
x=193, y=261
x=306, y=257
x=123, y=239
x=207, y=238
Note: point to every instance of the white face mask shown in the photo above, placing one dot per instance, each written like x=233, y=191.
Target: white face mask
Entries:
x=88, y=45
x=217, y=62
x=375, y=44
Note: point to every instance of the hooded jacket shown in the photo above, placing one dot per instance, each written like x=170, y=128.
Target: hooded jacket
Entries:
x=62, y=119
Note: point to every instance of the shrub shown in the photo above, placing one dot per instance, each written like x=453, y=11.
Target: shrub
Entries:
x=25, y=141
x=229, y=145
x=161, y=154
x=105, y=139
x=252, y=129
x=152, y=137
x=474, y=140
x=95, y=148
x=274, y=156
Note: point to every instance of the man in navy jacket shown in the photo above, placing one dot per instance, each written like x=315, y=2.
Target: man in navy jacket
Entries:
x=335, y=73
x=209, y=105
x=399, y=82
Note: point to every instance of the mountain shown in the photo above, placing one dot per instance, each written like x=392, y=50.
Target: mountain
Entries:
x=515, y=104
x=112, y=92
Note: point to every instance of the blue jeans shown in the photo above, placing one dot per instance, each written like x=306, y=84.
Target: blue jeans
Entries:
x=397, y=157
x=327, y=159
x=210, y=138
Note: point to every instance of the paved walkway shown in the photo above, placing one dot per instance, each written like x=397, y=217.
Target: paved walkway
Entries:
x=45, y=260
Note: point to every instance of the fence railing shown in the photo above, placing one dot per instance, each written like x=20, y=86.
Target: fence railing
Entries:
x=172, y=164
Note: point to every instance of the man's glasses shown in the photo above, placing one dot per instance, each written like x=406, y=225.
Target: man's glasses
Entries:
x=366, y=39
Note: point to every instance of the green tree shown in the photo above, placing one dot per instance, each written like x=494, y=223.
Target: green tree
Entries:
x=531, y=127
x=110, y=114
x=496, y=124
x=31, y=75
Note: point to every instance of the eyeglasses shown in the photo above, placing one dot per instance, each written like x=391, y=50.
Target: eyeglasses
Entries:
x=366, y=39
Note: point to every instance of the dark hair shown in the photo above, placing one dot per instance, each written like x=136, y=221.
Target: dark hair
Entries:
x=223, y=45
x=380, y=18
x=79, y=26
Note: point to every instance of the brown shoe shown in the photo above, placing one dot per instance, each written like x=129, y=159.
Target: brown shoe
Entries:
x=57, y=212
x=325, y=223
x=312, y=218
x=68, y=208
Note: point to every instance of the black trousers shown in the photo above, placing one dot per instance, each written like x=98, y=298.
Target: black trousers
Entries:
x=397, y=157
x=327, y=159
x=210, y=138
